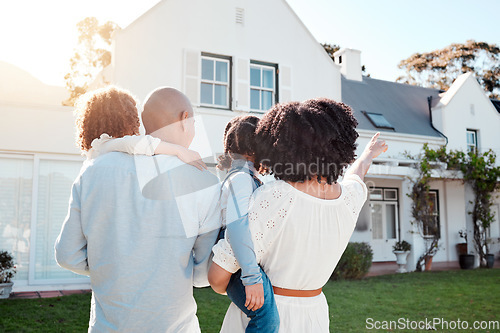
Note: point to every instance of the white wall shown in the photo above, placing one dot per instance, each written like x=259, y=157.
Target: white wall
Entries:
x=469, y=108
x=150, y=52
x=399, y=143
x=31, y=128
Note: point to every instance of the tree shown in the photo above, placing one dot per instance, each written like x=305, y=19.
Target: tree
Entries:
x=332, y=48
x=479, y=170
x=92, y=55
x=439, y=68
x=422, y=207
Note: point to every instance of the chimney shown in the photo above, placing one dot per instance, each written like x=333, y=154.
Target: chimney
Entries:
x=350, y=62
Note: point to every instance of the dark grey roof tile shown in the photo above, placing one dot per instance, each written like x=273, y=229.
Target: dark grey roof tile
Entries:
x=404, y=106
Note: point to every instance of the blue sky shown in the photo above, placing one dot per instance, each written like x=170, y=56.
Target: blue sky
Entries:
x=39, y=36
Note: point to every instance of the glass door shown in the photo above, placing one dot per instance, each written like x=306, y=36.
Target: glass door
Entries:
x=384, y=228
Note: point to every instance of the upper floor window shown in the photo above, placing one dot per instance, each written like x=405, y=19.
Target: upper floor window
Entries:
x=215, y=81
x=263, y=90
x=471, y=140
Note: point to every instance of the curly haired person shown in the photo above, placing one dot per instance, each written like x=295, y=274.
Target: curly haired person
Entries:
x=301, y=223
x=143, y=253
x=249, y=288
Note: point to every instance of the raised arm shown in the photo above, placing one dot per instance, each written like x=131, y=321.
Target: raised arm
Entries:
x=373, y=149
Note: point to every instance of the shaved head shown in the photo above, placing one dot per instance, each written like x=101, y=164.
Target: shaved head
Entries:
x=163, y=107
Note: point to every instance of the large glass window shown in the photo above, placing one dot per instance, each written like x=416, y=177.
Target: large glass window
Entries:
x=16, y=182
x=34, y=201
x=55, y=179
x=215, y=81
x=262, y=86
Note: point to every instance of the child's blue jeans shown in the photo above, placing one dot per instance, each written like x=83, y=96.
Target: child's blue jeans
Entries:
x=266, y=319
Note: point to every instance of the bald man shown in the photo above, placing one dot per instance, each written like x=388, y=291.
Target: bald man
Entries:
x=142, y=228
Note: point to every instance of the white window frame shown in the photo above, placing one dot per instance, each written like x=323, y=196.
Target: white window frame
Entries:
x=380, y=197
x=261, y=88
x=214, y=82
x=34, y=210
x=472, y=146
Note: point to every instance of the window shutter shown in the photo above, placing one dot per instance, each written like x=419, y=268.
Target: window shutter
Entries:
x=242, y=85
x=285, y=77
x=192, y=75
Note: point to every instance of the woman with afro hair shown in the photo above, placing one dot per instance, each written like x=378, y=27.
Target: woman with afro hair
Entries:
x=301, y=223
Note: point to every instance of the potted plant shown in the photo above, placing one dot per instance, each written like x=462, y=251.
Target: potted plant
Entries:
x=490, y=260
x=401, y=250
x=465, y=259
x=7, y=271
x=462, y=247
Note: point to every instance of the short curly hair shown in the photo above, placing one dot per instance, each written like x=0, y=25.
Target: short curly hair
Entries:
x=314, y=139
x=239, y=139
x=109, y=110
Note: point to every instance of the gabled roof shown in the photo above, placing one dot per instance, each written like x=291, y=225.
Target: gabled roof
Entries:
x=496, y=104
x=20, y=87
x=404, y=106
x=455, y=87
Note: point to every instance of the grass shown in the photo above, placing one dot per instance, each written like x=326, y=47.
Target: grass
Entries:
x=465, y=295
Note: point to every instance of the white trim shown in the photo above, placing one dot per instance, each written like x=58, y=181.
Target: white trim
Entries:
x=214, y=82
x=22, y=286
x=17, y=155
x=67, y=282
x=34, y=209
x=414, y=138
x=393, y=177
x=13, y=153
x=205, y=110
x=56, y=157
x=261, y=88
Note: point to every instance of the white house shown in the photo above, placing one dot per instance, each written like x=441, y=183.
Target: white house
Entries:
x=232, y=57
x=407, y=117
x=229, y=57
x=38, y=163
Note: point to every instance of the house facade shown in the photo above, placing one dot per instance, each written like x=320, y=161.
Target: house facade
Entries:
x=462, y=118
x=232, y=57
x=38, y=163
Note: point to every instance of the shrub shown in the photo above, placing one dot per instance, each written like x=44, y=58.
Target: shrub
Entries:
x=354, y=263
x=7, y=268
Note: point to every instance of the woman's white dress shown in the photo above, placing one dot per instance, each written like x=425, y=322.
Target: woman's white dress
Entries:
x=298, y=241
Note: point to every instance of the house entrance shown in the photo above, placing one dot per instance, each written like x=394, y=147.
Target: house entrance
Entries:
x=384, y=222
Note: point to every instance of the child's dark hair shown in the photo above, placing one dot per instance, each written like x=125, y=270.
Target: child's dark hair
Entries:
x=239, y=139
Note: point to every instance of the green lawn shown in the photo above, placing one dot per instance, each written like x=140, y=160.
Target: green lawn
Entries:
x=465, y=295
